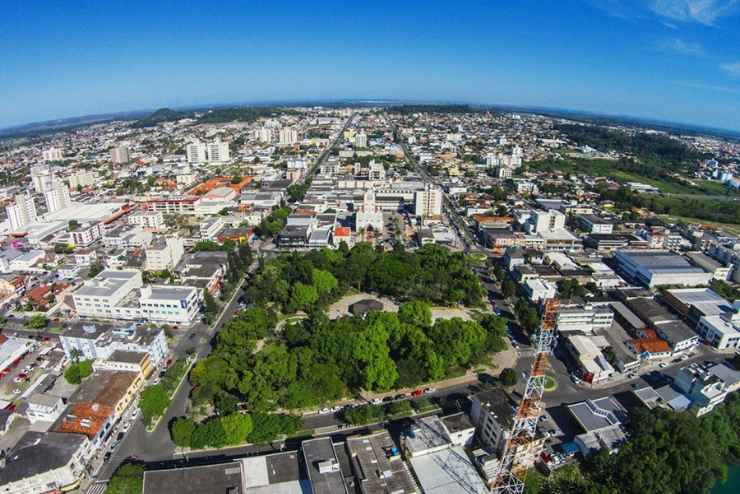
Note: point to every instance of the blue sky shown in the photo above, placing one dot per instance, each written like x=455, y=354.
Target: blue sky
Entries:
x=676, y=60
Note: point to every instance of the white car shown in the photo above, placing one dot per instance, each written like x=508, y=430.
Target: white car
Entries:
x=324, y=411
x=663, y=365
x=126, y=427
x=135, y=414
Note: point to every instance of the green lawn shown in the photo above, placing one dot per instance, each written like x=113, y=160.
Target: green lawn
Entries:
x=728, y=227
x=667, y=187
x=716, y=188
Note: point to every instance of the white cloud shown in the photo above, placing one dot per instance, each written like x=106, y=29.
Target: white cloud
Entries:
x=732, y=68
x=701, y=11
x=681, y=47
x=705, y=12
x=710, y=87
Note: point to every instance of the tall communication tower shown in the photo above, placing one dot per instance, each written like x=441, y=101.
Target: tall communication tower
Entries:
x=511, y=471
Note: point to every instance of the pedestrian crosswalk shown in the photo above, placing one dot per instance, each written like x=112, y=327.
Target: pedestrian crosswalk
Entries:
x=97, y=487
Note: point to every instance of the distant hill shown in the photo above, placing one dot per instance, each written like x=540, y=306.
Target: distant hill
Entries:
x=238, y=114
x=37, y=129
x=159, y=116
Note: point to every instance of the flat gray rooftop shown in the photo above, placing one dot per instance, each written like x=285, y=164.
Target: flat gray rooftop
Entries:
x=323, y=467
x=209, y=479
x=378, y=464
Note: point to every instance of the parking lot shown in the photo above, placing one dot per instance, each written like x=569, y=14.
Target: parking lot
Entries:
x=38, y=360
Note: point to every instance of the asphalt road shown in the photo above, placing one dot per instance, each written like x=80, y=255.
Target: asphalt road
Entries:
x=465, y=234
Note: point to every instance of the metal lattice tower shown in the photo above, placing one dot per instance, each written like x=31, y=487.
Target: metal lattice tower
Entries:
x=510, y=474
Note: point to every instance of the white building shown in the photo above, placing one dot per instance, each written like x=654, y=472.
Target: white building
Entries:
x=584, y=318
x=594, y=224
x=653, y=268
x=171, y=304
x=428, y=203
x=264, y=135
x=218, y=151
x=587, y=351
x=86, y=234
x=361, y=140
x=121, y=295
x=147, y=219
x=99, y=342
x=44, y=408
x=21, y=212
x=369, y=214
x=40, y=176
x=288, y=136
x=52, y=154
x=196, y=152
x=376, y=171
x=81, y=179
x=164, y=254
x=98, y=296
x=120, y=155
x=721, y=332
x=43, y=462
x=57, y=197
x=546, y=221
x=538, y=290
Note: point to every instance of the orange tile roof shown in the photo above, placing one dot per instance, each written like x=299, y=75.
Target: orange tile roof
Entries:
x=485, y=218
x=85, y=418
x=342, y=231
x=216, y=182
x=651, y=345
x=39, y=293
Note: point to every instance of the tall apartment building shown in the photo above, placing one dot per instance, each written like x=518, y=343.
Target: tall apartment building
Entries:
x=21, y=212
x=120, y=155
x=361, y=140
x=57, y=197
x=147, y=219
x=546, y=221
x=164, y=254
x=288, y=136
x=52, y=154
x=196, y=152
x=40, y=177
x=86, y=234
x=218, y=152
x=264, y=135
x=81, y=179
x=428, y=202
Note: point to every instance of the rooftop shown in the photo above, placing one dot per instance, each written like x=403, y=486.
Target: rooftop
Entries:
x=38, y=452
x=378, y=464
x=104, y=388
x=107, y=282
x=280, y=472
x=593, y=415
x=659, y=260
x=323, y=466
x=207, y=479
x=498, y=403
